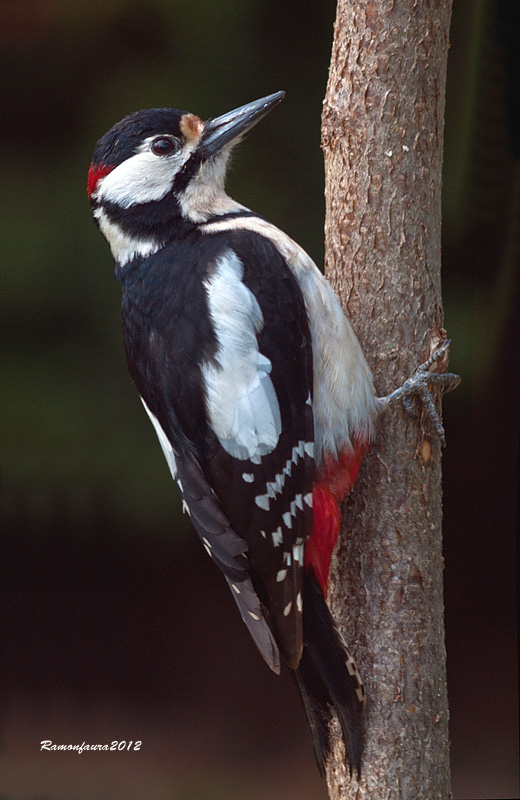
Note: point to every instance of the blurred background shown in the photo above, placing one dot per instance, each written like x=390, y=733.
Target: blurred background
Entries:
x=114, y=624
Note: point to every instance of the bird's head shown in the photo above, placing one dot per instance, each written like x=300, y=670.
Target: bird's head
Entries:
x=161, y=171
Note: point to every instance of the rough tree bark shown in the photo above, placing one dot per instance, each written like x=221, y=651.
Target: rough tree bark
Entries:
x=382, y=139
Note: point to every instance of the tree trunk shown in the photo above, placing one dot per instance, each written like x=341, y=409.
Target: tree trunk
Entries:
x=382, y=130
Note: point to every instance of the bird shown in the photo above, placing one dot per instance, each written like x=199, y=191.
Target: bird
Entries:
x=255, y=383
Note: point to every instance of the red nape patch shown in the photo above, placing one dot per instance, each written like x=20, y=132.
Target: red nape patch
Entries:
x=95, y=174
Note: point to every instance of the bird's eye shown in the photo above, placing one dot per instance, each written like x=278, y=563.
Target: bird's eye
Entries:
x=163, y=146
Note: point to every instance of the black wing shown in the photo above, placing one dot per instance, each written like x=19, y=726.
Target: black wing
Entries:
x=252, y=512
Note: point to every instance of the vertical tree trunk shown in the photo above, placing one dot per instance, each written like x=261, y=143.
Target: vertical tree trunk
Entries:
x=382, y=139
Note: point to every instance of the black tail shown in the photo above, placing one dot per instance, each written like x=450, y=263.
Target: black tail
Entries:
x=327, y=678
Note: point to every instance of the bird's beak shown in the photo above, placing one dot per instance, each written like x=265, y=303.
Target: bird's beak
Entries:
x=233, y=125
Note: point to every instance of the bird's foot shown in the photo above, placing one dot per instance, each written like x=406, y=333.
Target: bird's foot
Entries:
x=418, y=385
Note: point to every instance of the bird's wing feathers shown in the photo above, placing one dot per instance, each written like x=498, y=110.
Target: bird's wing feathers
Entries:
x=267, y=492
x=228, y=550
x=244, y=460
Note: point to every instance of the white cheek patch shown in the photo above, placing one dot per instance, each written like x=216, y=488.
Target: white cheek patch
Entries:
x=142, y=178
x=241, y=401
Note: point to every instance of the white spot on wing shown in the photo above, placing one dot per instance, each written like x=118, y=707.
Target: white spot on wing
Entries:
x=248, y=477
x=262, y=501
x=287, y=609
x=298, y=553
x=277, y=537
x=309, y=449
x=271, y=489
x=298, y=451
x=276, y=486
x=280, y=575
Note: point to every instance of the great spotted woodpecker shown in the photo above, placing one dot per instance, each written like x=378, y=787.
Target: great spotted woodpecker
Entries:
x=254, y=381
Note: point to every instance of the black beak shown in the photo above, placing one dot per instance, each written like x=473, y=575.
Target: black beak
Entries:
x=229, y=127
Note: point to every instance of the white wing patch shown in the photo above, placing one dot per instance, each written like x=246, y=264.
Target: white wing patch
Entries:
x=344, y=403
x=241, y=401
x=164, y=441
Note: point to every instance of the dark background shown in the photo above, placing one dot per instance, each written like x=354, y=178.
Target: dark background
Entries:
x=115, y=625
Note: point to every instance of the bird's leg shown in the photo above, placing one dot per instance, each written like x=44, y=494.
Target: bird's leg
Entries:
x=418, y=385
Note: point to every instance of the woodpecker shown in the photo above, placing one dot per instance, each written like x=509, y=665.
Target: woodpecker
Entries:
x=254, y=381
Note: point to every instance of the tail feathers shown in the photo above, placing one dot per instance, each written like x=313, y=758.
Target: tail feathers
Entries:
x=327, y=678
x=317, y=704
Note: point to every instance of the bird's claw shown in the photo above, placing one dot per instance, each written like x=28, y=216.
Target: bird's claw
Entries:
x=418, y=385
x=408, y=407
